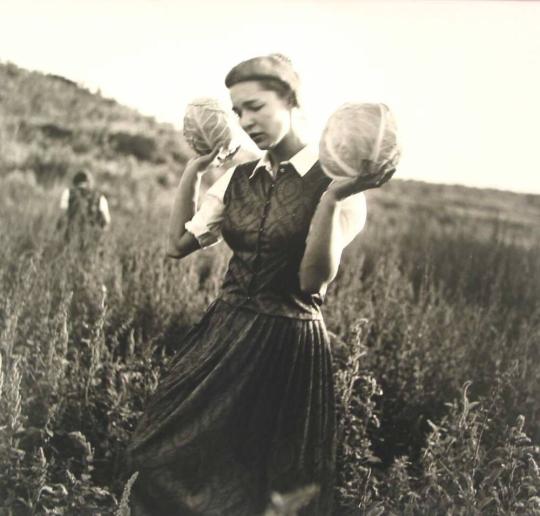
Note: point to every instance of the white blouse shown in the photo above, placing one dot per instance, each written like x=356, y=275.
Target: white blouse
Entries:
x=205, y=225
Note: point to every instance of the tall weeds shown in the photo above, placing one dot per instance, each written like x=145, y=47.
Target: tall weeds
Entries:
x=416, y=317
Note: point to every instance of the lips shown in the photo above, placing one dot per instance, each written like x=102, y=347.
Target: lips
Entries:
x=256, y=136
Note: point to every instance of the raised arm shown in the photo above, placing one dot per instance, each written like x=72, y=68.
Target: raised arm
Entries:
x=339, y=217
x=180, y=241
x=334, y=225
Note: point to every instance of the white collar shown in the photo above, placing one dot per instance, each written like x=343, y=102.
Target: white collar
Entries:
x=302, y=161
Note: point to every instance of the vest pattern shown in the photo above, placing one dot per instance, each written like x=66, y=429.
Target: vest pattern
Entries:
x=84, y=218
x=266, y=223
x=83, y=207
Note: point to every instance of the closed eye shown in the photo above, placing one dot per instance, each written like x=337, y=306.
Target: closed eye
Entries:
x=250, y=106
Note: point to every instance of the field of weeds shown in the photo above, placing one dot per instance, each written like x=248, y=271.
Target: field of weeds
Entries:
x=435, y=324
x=434, y=319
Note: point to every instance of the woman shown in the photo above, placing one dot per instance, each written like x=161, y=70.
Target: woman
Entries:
x=247, y=406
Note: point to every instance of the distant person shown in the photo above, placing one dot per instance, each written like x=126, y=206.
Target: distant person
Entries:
x=86, y=211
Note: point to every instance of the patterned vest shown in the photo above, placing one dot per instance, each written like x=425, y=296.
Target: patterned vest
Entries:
x=266, y=223
x=83, y=214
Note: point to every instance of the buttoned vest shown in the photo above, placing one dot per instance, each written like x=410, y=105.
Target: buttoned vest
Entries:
x=266, y=223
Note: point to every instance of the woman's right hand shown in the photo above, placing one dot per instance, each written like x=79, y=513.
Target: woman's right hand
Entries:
x=200, y=164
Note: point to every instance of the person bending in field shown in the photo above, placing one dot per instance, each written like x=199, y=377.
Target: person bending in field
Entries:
x=85, y=211
x=246, y=407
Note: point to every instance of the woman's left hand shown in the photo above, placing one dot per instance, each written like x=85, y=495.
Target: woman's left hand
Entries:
x=342, y=188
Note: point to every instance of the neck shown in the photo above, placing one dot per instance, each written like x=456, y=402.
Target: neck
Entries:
x=286, y=148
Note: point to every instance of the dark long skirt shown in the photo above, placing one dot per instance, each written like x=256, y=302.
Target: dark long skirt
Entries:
x=246, y=409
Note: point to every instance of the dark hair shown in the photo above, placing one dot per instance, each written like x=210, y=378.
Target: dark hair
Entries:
x=282, y=89
x=82, y=177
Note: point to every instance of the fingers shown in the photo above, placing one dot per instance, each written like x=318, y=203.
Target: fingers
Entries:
x=204, y=161
x=374, y=179
x=372, y=171
x=389, y=173
x=385, y=177
x=210, y=157
x=226, y=155
x=344, y=187
x=370, y=178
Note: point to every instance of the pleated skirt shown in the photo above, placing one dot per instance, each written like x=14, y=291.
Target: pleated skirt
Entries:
x=245, y=409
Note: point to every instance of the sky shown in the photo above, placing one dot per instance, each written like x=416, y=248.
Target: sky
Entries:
x=462, y=78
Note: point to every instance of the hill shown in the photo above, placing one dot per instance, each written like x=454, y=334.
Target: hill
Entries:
x=51, y=126
x=488, y=212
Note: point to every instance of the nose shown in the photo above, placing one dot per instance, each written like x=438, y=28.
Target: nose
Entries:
x=246, y=121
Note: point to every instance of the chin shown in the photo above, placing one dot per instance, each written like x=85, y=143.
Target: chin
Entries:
x=266, y=144
x=263, y=145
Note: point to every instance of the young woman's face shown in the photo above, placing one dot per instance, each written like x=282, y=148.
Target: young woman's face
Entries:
x=262, y=113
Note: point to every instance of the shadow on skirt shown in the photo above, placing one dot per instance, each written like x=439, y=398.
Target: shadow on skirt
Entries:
x=245, y=409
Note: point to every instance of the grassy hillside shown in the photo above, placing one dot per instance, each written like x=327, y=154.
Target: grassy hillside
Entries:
x=50, y=126
x=434, y=320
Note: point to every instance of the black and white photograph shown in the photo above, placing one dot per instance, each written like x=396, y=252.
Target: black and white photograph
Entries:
x=269, y=258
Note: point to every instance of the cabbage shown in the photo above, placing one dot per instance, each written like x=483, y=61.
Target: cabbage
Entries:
x=207, y=124
x=356, y=132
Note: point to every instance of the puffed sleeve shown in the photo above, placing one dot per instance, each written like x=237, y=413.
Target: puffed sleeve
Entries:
x=353, y=213
x=205, y=225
